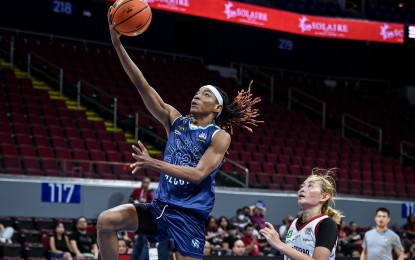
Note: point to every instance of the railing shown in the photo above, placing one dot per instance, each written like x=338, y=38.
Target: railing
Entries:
x=98, y=91
x=145, y=51
x=251, y=73
x=283, y=72
x=362, y=133
x=292, y=99
x=11, y=51
x=246, y=170
x=137, y=128
x=404, y=152
x=30, y=60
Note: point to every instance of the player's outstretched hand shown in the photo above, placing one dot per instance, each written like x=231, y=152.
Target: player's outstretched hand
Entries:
x=271, y=235
x=114, y=34
x=142, y=157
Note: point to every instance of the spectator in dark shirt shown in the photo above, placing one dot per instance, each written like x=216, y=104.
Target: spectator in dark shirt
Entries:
x=83, y=244
x=59, y=243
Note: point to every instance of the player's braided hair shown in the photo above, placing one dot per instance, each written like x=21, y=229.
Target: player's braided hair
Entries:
x=239, y=112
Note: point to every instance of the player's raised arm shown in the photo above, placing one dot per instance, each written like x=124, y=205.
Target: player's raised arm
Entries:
x=154, y=103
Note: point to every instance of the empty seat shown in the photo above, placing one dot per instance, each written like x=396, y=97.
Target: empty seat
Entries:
x=11, y=250
x=44, y=223
x=29, y=235
x=23, y=223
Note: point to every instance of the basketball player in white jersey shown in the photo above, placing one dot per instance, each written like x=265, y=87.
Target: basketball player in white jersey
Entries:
x=314, y=236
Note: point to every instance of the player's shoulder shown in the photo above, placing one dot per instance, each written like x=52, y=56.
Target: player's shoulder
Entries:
x=327, y=223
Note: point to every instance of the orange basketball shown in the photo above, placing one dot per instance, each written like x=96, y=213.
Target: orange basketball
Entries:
x=131, y=17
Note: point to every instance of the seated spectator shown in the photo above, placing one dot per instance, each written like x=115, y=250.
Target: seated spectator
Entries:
x=59, y=243
x=353, y=240
x=123, y=248
x=212, y=232
x=253, y=247
x=6, y=234
x=225, y=229
x=238, y=249
x=207, y=250
x=240, y=220
x=82, y=243
x=342, y=237
x=408, y=228
x=411, y=252
x=258, y=217
x=286, y=222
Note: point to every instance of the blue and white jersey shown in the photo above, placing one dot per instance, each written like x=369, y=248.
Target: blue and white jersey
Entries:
x=185, y=146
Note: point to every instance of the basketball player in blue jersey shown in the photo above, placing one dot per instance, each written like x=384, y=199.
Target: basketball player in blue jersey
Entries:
x=194, y=152
x=314, y=235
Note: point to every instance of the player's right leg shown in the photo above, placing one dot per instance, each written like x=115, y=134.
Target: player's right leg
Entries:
x=119, y=218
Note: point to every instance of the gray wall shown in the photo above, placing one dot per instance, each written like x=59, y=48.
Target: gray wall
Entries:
x=21, y=196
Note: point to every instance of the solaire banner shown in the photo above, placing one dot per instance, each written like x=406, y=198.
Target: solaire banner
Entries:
x=283, y=21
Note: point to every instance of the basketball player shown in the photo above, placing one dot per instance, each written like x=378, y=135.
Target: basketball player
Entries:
x=194, y=151
x=314, y=236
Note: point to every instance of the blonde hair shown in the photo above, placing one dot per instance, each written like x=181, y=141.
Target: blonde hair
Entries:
x=328, y=185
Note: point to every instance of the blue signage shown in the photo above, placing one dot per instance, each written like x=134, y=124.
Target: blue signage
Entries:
x=407, y=209
x=61, y=193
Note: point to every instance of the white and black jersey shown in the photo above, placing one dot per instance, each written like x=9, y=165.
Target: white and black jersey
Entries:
x=319, y=231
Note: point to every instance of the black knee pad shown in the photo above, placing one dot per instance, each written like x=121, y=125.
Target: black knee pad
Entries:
x=146, y=224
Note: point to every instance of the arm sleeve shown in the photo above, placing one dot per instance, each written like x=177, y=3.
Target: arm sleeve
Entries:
x=327, y=234
x=364, y=244
x=397, y=245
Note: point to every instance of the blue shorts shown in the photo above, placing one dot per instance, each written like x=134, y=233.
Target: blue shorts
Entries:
x=184, y=229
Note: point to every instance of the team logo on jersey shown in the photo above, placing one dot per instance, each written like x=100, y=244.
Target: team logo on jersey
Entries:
x=177, y=132
x=181, y=127
x=308, y=231
x=289, y=234
x=196, y=243
x=202, y=137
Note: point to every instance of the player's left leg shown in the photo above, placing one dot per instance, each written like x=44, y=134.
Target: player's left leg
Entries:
x=178, y=256
x=120, y=218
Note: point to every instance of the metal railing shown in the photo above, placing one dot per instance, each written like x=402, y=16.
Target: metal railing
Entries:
x=321, y=111
x=83, y=41
x=282, y=72
x=11, y=50
x=355, y=130
x=31, y=56
x=403, y=152
x=98, y=91
x=237, y=165
x=249, y=72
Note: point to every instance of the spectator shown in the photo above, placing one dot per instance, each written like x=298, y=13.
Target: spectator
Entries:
x=258, y=217
x=6, y=234
x=123, y=248
x=142, y=194
x=353, y=240
x=240, y=220
x=342, y=237
x=411, y=252
x=379, y=242
x=355, y=253
x=253, y=247
x=82, y=243
x=207, y=250
x=59, y=243
x=212, y=232
x=225, y=229
x=285, y=226
x=408, y=228
x=238, y=249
